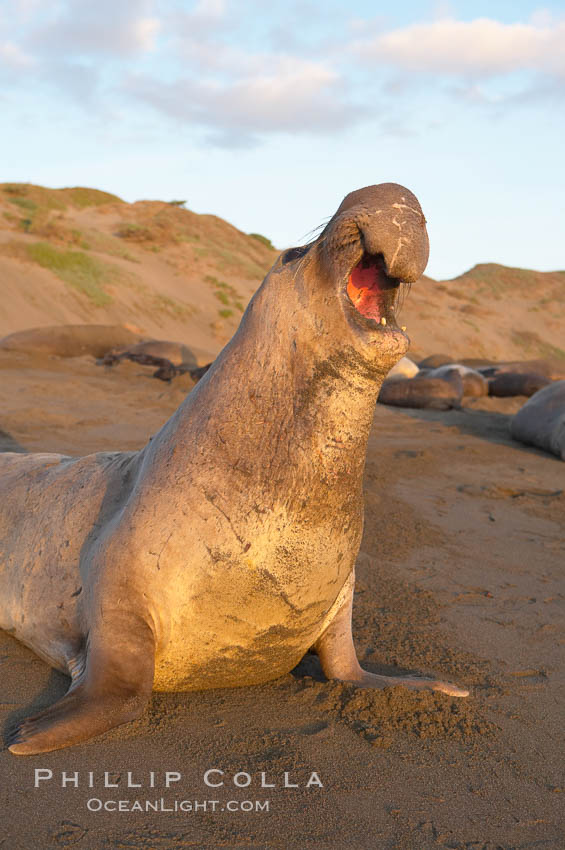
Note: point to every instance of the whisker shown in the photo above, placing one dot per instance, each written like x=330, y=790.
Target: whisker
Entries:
x=403, y=292
x=315, y=231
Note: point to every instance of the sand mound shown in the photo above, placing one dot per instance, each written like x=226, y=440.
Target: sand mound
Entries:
x=377, y=715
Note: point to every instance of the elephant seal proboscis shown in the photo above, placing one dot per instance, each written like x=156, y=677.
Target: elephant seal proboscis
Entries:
x=224, y=550
x=541, y=421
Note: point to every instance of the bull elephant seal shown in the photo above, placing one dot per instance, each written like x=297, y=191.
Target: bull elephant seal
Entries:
x=434, y=361
x=475, y=385
x=170, y=358
x=69, y=340
x=405, y=368
x=223, y=550
x=507, y=384
x=423, y=393
x=551, y=368
x=153, y=352
x=198, y=373
x=541, y=421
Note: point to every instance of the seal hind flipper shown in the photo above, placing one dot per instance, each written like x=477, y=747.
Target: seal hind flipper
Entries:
x=336, y=651
x=114, y=688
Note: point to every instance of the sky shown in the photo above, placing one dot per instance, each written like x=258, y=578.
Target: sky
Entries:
x=268, y=114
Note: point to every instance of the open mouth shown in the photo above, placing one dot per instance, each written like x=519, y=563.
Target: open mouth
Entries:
x=371, y=291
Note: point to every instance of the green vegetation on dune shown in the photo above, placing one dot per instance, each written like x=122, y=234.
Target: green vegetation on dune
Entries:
x=57, y=199
x=230, y=261
x=531, y=343
x=43, y=209
x=81, y=196
x=263, y=240
x=35, y=202
x=24, y=203
x=234, y=252
x=75, y=268
x=134, y=232
x=172, y=307
x=227, y=294
x=499, y=278
x=111, y=245
x=152, y=225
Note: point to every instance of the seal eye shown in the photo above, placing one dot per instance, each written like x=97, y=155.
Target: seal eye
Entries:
x=294, y=254
x=371, y=291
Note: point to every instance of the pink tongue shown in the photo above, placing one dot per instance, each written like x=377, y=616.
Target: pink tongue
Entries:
x=363, y=289
x=368, y=305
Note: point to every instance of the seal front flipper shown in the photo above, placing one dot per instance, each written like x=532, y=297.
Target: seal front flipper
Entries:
x=338, y=658
x=114, y=688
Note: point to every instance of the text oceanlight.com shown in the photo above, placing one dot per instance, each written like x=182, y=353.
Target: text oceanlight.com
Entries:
x=95, y=804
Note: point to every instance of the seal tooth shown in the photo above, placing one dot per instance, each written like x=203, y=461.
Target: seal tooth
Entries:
x=383, y=321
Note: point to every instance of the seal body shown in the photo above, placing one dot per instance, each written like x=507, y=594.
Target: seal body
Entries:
x=405, y=368
x=170, y=358
x=153, y=352
x=223, y=550
x=435, y=361
x=505, y=384
x=551, y=368
x=541, y=421
x=423, y=392
x=69, y=340
x=270, y=553
x=475, y=385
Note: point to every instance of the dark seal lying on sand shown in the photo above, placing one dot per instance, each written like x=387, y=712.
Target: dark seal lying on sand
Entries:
x=153, y=352
x=423, y=393
x=224, y=550
x=552, y=368
x=170, y=358
x=506, y=384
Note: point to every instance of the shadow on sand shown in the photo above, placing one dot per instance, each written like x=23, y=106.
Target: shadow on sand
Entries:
x=487, y=425
x=56, y=686
x=9, y=444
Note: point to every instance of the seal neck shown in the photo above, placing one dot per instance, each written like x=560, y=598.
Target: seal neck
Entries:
x=280, y=400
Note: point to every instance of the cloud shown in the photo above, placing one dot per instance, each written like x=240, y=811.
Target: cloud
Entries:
x=231, y=75
x=482, y=46
x=205, y=18
x=286, y=95
x=119, y=27
x=209, y=10
x=72, y=46
x=14, y=57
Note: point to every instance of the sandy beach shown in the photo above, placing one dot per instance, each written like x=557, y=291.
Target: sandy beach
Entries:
x=459, y=574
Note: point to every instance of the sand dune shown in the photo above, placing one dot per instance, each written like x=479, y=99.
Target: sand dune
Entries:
x=83, y=256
